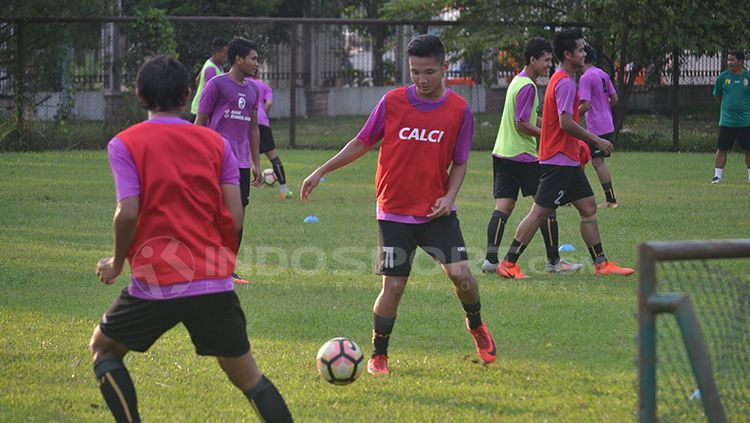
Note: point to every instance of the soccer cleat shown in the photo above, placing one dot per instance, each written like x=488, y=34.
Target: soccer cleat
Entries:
x=285, y=195
x=715, y=180
x=238, y=280
x=609, y=268
x=485, y=344
x=488, y=267
x=378, y=365
x=608, y=205
x=510, y=270
x=563, y=266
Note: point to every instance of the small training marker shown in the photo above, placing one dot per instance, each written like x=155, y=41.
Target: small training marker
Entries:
x=322, y=179
x=312, y=219
x=567, y=248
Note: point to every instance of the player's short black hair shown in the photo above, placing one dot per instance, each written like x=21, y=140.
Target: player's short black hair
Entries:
x=162, y=83
x=591, y=55
x=565, y=40
x=427, y=45
x=218, y=43
x=738, y=54
x=536, y=47
x=240, y=47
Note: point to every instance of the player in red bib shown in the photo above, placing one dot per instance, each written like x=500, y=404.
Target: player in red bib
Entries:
x=177, y=220
x=562, y=179
x=426, y=132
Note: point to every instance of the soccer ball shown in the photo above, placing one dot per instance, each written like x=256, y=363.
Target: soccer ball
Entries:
x=340, y=361
x=268, y=177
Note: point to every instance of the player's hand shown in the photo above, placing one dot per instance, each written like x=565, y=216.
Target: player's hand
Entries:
x=605, y=145
x=107, y=270
x=308, y=185
x=442, y=207
x=257, y=178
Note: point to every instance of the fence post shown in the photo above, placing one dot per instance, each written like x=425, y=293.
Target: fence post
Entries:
x=19, y=76
x=676, y=99
x=293, y=87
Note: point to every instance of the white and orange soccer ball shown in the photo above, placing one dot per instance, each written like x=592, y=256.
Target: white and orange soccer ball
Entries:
x=340, y=361
x=268, y=177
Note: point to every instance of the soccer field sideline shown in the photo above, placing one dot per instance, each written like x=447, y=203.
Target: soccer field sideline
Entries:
x=565, y=343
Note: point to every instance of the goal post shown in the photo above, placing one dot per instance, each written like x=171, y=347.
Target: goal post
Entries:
x=653, y=302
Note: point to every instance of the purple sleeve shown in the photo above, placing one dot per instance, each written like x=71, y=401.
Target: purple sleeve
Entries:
x=465, y=136
x=584, y=87
x=267, y=93
x=610, y=86
x=258, y=97
x=208, y=98
x=374, y=129
x=524, y=103
x=230, y=171
x=565, y=96
x=127, y=182
x=209, y=73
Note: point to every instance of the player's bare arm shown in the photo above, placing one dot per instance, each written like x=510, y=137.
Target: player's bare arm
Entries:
x=613, y=100
x=444, y=204
x=573, y=128
x=584, y=106
x=201, y=119
x=529, y=129
x=230, y=195
x=353, y=150
x=123, y=228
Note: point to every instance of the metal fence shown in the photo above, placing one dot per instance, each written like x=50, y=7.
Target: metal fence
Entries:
x=80, y=71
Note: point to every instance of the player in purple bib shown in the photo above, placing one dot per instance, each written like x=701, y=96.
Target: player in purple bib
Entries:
x=229, y=105
x=267, y=143
x=598, y=96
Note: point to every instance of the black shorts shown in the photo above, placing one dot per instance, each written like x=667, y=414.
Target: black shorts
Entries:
x=559, y=185
x=245, y=186
x=266, y=139
x=595, y=151
x=441, y=238
x=727, y=135
x=215, y=322
x=510, y=176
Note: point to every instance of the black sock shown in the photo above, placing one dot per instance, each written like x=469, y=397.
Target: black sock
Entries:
x=515, y=250
x=495, y=230
x=609, y=192
x=551, y=238
x=268, y=402
x=597, y=253
x=278, y=170
x=472, y=314
x=239, y=240
x=381, y=333
x=117, y=388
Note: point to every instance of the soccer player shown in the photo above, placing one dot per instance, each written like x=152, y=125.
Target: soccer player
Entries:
x=267, y=143
x=426, y=132
x=229, y=105
x=562, y=178
x=212, y=67
x=514, y=158
x=732, y=91
x=598, y=97
x=177, y=217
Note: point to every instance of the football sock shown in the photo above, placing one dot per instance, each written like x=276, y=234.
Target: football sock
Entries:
x=278, y=170
x=719, y=172
x=239, y=240
x=472, y=314
x=551, y=238
x=268, y=402
x=381, y=333
x=495, y=230
x=597, y=253
x=117, y=388
x=609, y=192
x=515, y=250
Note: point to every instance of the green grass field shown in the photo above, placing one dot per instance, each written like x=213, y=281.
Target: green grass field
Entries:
x=566, y=343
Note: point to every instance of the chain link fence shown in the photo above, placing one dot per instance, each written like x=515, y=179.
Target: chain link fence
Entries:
x=68, y=83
